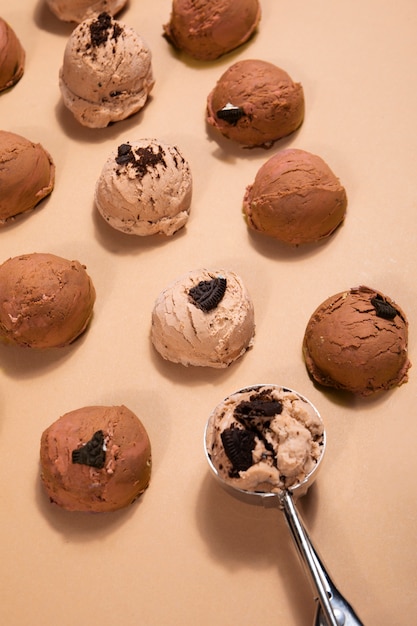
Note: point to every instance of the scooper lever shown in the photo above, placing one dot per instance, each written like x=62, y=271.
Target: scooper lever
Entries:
x=333, y=609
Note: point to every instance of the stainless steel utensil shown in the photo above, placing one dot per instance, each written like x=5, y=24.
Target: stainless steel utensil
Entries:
x=332, y=609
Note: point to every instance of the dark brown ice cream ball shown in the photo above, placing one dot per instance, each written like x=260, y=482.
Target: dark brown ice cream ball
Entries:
x=46, y=301
x=95, y=459
x=295, y=198
x=207, y=30
x=27, y=175
x=12, y=56
x=357, y=341
x=255, y=103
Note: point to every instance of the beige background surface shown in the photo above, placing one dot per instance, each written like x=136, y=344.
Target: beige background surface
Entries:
x=187, y=553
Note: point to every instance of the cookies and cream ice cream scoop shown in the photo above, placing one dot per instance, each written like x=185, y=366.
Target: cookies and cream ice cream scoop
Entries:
x=145, y=188
x=265, y=444
x=204, y=318
x=106, y=75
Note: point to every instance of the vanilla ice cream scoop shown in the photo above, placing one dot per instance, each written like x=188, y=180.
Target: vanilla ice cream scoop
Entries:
x=205, y=318
x=207, y=30
x=106, y=74
x=12, y=56
x=145, y=188
x=79, y=10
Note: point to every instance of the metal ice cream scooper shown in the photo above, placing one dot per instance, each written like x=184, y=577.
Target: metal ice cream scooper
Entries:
x=250, y=412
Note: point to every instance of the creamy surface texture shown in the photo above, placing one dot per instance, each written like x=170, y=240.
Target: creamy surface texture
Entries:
x=27, y=175
x=96, y=458
x=207, y=30
x=357, y=340
x=295, y=198
x=264, y=439
x=205, y=318
x=12, y=56
x=145, y=188
x=106, y=74
x=46, y=301
x=79, y=10
x=255, y=103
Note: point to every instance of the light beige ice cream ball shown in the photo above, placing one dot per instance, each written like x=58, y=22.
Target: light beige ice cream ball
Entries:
x=79, y=10
x=145, y=188
x=204, y=318
x=106, y=75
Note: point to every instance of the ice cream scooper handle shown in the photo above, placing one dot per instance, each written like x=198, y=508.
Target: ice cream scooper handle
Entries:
x=333, y=609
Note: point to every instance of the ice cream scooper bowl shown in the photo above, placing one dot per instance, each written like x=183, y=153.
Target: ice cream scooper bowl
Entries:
x=265, y=444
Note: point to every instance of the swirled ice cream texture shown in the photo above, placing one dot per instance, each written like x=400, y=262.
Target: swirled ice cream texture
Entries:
x=264, y=439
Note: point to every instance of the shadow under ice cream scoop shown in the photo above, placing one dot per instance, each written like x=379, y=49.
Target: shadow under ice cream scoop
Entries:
x=265, y=444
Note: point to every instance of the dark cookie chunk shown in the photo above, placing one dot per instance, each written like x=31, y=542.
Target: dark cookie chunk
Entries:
x=208, y=293
x=238, y=445
x=141, y=159
x=230, y=114
x=102, y=29
x=383, y=308
x=92, y=453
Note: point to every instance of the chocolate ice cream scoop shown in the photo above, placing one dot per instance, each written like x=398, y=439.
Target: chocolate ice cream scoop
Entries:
x=207, y=30
x=95, y=459
x=12, y=56
x=106, y=75
x=295, y=198
x=357, y=340
x=79, y=10
x=46, y=301
x=265, y=444
x=255, y=103
x=27, y=175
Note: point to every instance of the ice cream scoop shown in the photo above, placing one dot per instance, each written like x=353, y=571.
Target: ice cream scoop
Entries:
x=46, y=301
x=251, y=440
x=295, y=198
x=207, y=30
x=27, y=175
x=145, y=188
x=255, y=103
x=79, y=10
x=95, y=459
x=12, y=56
x=106, y=75
x=357, y=341
x=204, y=318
